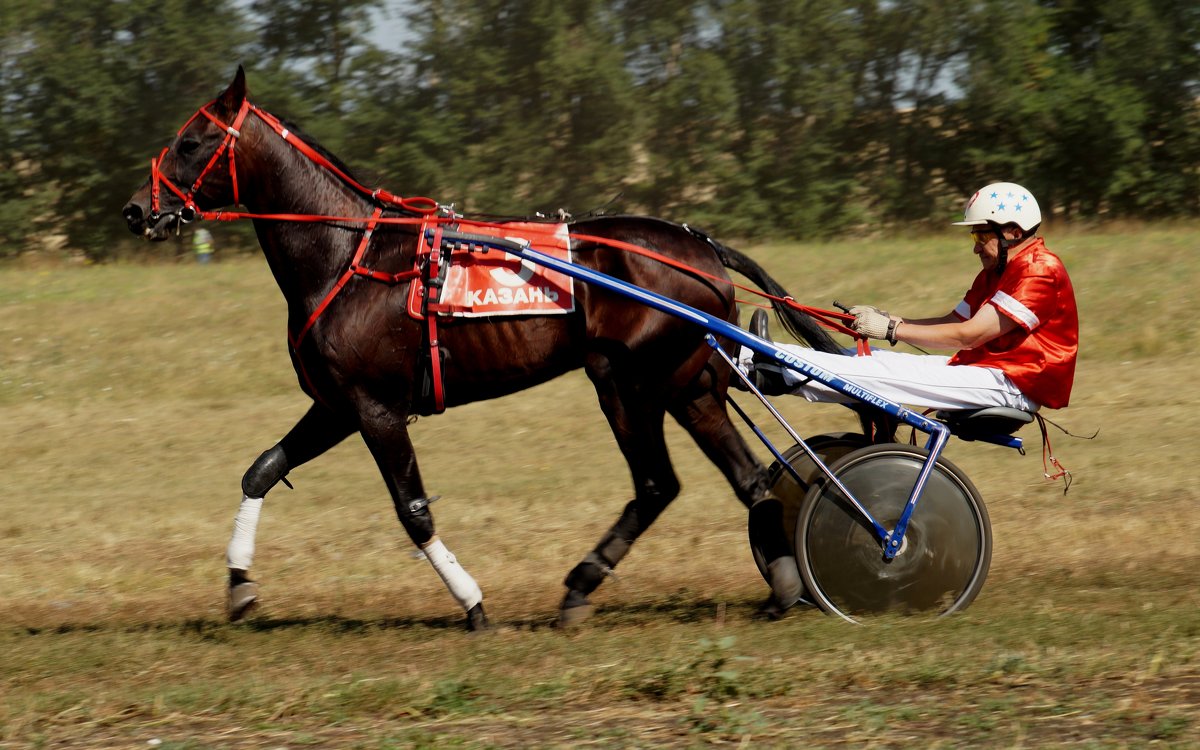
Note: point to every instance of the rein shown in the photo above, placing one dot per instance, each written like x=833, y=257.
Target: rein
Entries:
x=830, y=318
x=423, y=207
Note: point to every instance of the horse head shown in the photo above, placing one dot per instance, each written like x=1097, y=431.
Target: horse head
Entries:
x=196, y=172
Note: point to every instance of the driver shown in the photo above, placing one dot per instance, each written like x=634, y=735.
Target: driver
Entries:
x=1016, y=331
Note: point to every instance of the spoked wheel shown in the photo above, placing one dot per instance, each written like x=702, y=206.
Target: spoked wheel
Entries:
x=829, y=447
x=947, y=548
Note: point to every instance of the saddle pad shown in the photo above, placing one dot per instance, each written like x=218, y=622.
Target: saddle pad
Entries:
x=497, y=283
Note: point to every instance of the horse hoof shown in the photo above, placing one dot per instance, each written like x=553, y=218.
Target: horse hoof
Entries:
x=477, y=621
x=771, y=610
x=242, y=598
x=575, y=610
x=787, y=587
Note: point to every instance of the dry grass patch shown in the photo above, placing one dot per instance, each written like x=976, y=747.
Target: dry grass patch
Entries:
x=133, y=398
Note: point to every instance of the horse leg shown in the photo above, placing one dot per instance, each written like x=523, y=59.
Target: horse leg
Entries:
x=317, y=431
x=637, y=424
x=701, y=411
x=386, y=435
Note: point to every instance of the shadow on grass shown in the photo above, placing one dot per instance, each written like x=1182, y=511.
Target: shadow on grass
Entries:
x=678, y=610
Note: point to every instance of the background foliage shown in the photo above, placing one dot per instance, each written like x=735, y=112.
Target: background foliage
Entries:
x=750, y=117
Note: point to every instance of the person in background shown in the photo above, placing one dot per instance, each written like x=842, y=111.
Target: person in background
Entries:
x=202, y=242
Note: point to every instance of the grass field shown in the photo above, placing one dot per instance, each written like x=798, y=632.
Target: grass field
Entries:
x=133, y=397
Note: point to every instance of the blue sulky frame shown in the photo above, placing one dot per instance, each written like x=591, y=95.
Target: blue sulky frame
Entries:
x=939, y=433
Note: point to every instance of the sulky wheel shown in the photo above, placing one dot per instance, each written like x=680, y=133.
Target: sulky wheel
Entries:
x=947, y=547
x=830, y=447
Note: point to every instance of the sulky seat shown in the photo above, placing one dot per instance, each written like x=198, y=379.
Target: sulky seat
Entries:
x=972, y=424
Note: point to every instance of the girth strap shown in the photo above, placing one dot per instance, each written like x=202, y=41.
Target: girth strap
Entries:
x=433, y=280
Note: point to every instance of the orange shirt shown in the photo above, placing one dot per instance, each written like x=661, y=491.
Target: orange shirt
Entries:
x=1039, y=354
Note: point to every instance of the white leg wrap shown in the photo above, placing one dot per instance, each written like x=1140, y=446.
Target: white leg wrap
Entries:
x=460, y=583
x=240, y=552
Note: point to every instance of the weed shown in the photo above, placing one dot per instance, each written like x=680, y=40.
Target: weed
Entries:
x=708, y=673
x=727, y=721
x=455, y=697
x=420, y=739
x=1168, y=727
x=550, y=690
x=711, y=670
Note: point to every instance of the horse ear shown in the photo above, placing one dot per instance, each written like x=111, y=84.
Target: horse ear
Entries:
x=233, y=96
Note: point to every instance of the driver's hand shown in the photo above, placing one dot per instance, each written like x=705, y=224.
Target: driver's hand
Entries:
x=870, y=322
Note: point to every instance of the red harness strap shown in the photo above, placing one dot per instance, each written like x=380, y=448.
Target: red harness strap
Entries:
x=829, y=318
x=349, y=273
x=424, y=208
x=432, y=292
x=354, y=269
x=417, y=205
x=1048, y=459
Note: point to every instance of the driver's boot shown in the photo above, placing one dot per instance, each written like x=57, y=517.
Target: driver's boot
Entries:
x=765, y=373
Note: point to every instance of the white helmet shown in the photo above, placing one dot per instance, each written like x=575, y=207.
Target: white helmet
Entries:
x=1002, y=203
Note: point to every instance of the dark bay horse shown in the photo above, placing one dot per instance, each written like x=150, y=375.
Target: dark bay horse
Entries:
x=362, y=361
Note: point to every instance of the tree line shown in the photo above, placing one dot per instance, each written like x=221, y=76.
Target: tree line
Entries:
x=753, y=118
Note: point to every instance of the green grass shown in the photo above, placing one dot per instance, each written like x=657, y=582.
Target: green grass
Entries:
x=132, y=399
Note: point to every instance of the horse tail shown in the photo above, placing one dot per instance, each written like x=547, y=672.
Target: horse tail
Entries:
x=799, y=324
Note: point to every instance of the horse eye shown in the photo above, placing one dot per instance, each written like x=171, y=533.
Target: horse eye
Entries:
x=188, y=146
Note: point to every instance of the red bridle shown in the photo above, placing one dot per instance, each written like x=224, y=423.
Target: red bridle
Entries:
x=188, y=210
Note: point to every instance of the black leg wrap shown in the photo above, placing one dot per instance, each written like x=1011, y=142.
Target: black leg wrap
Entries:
x=768, y=536
x=416, y=520
x=639, y=513
x=766, y=529
x=587, y=576
x=265, y=473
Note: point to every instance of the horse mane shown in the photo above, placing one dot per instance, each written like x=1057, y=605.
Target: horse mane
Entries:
x=333, y=158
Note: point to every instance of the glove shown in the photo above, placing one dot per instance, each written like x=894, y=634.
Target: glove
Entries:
x=857, y=309
x=873, y=323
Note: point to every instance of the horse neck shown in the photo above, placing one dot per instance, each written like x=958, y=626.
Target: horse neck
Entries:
x=304, y=257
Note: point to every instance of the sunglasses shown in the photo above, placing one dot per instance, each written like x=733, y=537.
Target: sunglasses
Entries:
x=982, y=235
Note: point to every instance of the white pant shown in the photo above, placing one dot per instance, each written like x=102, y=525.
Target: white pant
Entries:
x=925, y=380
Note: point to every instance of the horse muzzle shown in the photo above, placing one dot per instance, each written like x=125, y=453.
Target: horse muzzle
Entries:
x=153, y=225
